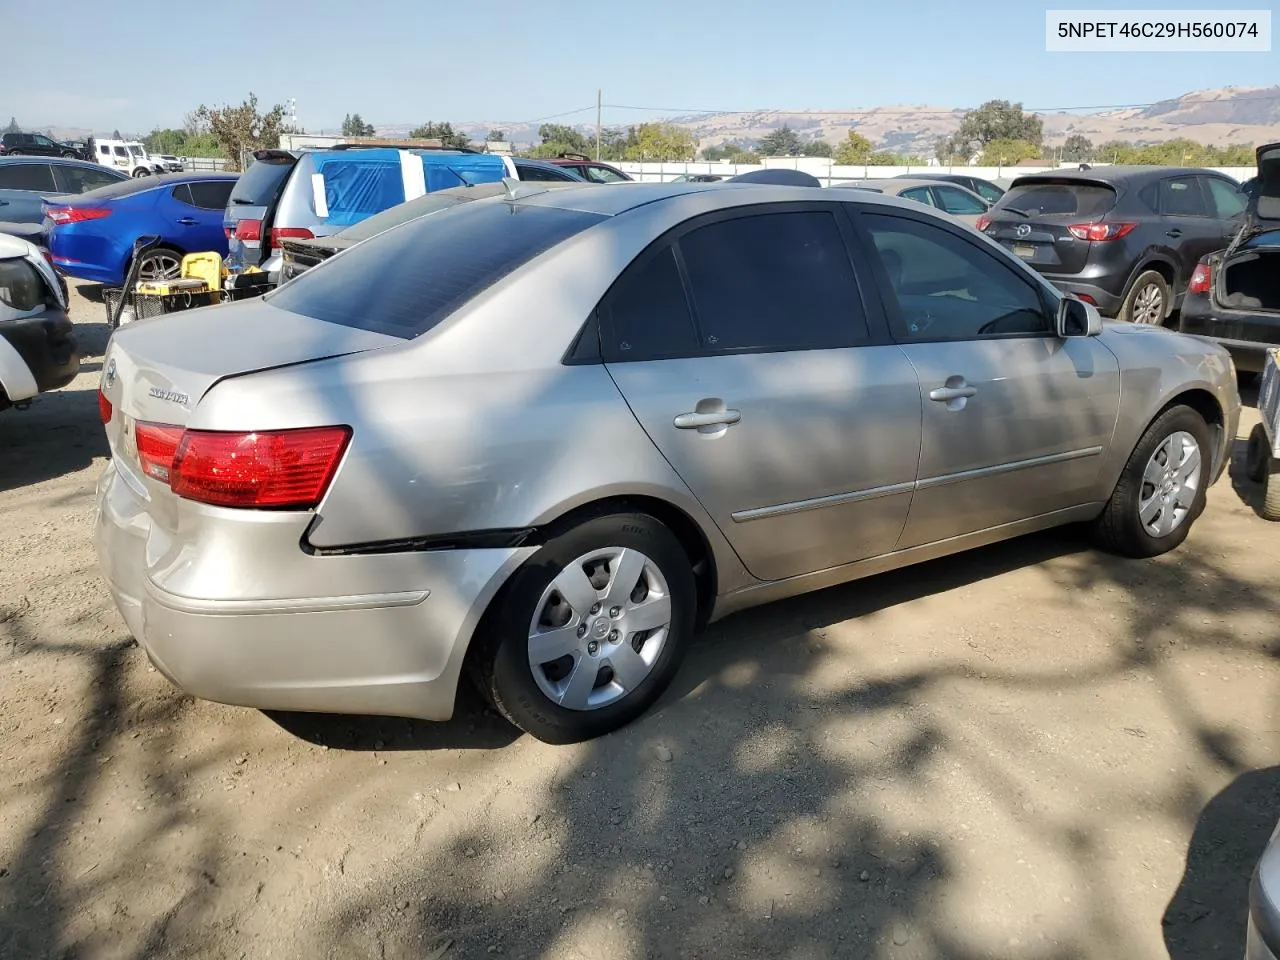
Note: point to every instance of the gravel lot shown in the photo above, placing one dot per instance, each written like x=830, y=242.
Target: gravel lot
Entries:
x=1031, y=751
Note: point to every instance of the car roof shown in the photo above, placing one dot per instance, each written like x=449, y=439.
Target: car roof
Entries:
x=60, y=161
x=617, y=198
x=1116, y=175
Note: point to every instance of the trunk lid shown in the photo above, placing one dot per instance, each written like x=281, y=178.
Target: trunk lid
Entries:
x=301, y=255
x=1034, y=217
x=1263, y=211
x=157, y=370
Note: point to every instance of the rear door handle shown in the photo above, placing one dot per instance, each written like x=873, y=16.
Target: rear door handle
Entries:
x=1175, y=233
x=188, y=221
x=943, y=394
x=692, y=421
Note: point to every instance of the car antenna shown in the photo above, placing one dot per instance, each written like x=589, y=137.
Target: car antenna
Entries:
x=518, y=190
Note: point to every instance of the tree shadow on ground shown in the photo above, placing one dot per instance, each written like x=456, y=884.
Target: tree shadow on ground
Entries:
x=1207, y=915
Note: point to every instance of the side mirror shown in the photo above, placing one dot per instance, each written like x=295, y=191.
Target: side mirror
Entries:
x=1077, y=319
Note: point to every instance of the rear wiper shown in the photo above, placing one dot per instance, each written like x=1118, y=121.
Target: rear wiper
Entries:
x=241, y=200
x=1021, y=213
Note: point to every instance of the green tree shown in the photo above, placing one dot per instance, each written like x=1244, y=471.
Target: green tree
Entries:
x=496, y=136
x=614, y=142
x=853, y=149
x=13, y=126
x=242, y=129
x=660, y=141
x=994, y=120
x=353, y=125
x=782, y=142
x=1077, y=147
x=115, y=135
x=444, y=132
x=556, y=139
x=1006, y=152
x=818, y=148
x=168, y=141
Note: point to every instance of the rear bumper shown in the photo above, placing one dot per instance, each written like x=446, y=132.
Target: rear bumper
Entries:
x=47, y=346
x=1108, y=303
x=303, y=638
x=88, y=271
x=1246, y=336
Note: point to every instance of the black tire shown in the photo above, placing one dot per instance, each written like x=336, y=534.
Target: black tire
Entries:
x=1257, y=455
x=1270, y=509
x=1119, y=528
x=69, y=155
x=160, y=252
x=15, y=153
x=141, y=172
x=500, y=664
x=1146, y=280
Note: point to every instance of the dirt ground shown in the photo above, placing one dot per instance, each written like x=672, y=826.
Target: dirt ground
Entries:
x=1032, y=751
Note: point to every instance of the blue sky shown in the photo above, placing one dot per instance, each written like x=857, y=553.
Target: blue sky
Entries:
x=103, y=66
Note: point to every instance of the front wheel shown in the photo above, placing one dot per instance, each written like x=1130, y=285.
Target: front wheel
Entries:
x=1162, y=488
x=15, y=153
x=589, y=632
x=141, y=172
x=1148, y=300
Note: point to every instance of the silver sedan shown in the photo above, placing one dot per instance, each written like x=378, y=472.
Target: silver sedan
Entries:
x=541, y=439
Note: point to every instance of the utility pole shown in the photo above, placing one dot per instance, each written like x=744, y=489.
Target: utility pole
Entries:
x=599, y=103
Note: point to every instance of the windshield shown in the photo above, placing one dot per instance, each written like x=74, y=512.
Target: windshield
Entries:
x=405, y=281
x=136, y=151
x=1052, y=199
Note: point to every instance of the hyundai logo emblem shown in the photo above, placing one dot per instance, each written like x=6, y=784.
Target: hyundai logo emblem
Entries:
x=1024, y=230
x=110, y=376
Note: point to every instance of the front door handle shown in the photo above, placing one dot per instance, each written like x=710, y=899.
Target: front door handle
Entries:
x=692, y=421
x=1175, y=233
x=188, y=221
x=944, y=394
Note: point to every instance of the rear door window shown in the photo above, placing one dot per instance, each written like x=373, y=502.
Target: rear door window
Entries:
x=1181, y=197
x=986, y=191
x=955, y=200
x=599, y=174
x=182, y=193
x=773, y=281
x=422, y=271
x=27, y=176
x=919, y=194
x=211, y=194
x=84, y=179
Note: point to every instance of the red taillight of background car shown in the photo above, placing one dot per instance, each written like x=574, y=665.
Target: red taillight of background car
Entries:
x=157, y=443
x=1201, y=279
x=248, y=230
x=64, y=214
x=282, y=469
x=289, y=233
x=104, y=408
x=983, y=222
x=1100, y=232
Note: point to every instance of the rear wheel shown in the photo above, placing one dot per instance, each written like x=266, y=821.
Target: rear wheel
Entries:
x=1162, y=488
x=1148, y=300
x=69, y=155
x=160, y=263
x=15, y=153
x=142, y=172
x=589, y=632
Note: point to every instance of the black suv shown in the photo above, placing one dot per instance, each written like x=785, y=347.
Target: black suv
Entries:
x=35, y=145
x=1126, y=239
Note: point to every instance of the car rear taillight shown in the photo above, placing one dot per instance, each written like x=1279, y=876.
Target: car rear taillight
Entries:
x=248, y=230
x=1100, y=232
x=283, y=469
x=104, y=408
x=289, y=233
x=983, y=222
x=157, y=443
x=62, y=214
x=1201, y=279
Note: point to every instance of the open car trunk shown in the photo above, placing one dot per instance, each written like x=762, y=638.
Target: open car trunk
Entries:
x=1249, y=278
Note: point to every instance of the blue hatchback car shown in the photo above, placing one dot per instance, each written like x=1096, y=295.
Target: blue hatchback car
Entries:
x=91, y=236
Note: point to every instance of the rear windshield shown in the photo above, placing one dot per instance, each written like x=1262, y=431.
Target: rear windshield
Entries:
x=257, y=186
x=1040, y=199
x=405, y=281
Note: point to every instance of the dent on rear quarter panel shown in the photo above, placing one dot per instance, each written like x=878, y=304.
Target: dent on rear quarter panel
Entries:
x=457, y=453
